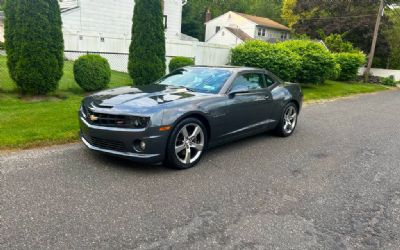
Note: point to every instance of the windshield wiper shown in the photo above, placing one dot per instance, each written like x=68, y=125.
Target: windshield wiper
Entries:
x=188, y=89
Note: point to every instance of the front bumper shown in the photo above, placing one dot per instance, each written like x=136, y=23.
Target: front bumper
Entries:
x=119, y=142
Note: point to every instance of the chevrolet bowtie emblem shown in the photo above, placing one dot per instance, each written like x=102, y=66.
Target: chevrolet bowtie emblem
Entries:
x=93, y=118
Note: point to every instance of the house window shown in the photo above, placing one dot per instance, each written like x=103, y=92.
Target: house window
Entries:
x=261, y=32
x=165, y=21
x=102, y=39
x=217, y=29
x=223, y=33
x=80, y=37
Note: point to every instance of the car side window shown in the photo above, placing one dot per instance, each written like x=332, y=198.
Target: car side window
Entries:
x=251, y=81
x=269, y=80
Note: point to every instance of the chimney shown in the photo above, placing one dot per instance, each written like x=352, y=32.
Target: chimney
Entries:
x=208, y=15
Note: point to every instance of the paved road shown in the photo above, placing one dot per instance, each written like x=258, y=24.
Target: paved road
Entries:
x=334, y=185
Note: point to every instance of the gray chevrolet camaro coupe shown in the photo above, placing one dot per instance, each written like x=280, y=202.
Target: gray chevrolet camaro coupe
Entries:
x=174, y=120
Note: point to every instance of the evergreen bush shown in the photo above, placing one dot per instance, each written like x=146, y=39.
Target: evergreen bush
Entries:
x=92, y=72
x=147, y=49
x=34, y=44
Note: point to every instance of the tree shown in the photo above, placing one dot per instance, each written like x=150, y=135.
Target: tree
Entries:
x=392, y=33
x=287, y=12
x=335, y=43
x=354, y=18
x=34, y=44
x=147, y=49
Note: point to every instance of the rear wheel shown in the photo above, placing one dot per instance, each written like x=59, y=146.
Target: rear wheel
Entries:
x=288, y=121
x=186, y=144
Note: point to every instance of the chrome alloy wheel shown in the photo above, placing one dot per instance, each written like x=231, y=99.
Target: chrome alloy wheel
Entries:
x=290, y=119
x=189, y=143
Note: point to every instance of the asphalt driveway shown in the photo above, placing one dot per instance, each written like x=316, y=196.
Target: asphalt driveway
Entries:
x=335, y=184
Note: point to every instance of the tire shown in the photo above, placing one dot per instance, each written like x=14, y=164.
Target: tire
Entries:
x=288, y=122
x=185, y=149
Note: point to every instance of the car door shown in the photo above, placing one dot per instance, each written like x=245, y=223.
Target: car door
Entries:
x=248, y=110
x=278, y=95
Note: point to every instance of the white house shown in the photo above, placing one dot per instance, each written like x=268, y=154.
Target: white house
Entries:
x=1, y=26
x=102, y=22
x=234, y=28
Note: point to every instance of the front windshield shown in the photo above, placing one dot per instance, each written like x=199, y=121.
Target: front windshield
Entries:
x=204, y=80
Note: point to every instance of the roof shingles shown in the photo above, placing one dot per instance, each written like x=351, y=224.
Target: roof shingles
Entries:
x=263, y=21
x=239, y=33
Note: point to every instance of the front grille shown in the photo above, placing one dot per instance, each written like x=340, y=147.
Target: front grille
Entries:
x=106, y=144
x=110, y=120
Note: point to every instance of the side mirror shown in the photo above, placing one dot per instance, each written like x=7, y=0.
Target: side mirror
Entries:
x=239, y=90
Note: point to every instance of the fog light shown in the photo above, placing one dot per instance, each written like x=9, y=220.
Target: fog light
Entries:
x=142, y=145
x=139, y=145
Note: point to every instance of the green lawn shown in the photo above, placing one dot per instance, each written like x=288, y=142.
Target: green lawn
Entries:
x=53, y=120
x=333, y=89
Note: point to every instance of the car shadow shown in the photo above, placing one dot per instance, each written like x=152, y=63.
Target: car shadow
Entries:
x=124, y=164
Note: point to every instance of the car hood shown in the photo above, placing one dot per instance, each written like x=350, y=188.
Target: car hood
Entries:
x=142, y=97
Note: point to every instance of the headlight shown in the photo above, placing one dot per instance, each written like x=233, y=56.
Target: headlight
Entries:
x=137, y=122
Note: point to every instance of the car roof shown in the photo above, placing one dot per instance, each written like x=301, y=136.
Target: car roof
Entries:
x=234, y=68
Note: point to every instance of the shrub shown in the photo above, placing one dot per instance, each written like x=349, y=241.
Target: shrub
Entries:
x=179, y=62
x=335, y=43
x=34, y=44
x=147, y=49
x=2, y=46
x=279, y=60
x=349, y=64
x=317, y=63
x=389, y=81
x=92, y=72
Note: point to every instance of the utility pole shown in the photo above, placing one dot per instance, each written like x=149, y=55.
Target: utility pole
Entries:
x=374, y=39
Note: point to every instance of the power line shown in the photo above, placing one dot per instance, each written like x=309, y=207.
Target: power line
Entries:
x=323, y=18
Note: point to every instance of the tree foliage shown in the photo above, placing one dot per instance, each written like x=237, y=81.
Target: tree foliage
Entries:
x=356, y=19
x=34, y=44
x=336, y=43
x=392, y=34
x=194, y=12
x=288, y=12
x=147, y=49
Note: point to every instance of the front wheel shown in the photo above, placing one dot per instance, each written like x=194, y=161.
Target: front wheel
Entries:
x=288, y=121
x=186, y=144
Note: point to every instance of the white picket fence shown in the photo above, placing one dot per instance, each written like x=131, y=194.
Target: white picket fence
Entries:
x=382, y=73
x=202, y=53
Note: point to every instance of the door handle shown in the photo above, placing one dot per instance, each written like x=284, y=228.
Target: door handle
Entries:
x=267, y=97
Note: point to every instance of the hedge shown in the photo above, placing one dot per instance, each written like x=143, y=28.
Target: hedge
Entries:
x=179, y=62
x=279, y=60
x=349, y=64
x=317, y=63
x=92, y=72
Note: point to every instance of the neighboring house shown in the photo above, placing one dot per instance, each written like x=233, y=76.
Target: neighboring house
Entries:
x=234, y=28
x=1, y=26
x=104, y=21
x=105, y=26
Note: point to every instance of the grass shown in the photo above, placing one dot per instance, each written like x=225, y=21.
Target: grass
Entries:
x=26, y=123
x=334, y=89
x=45, y=121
